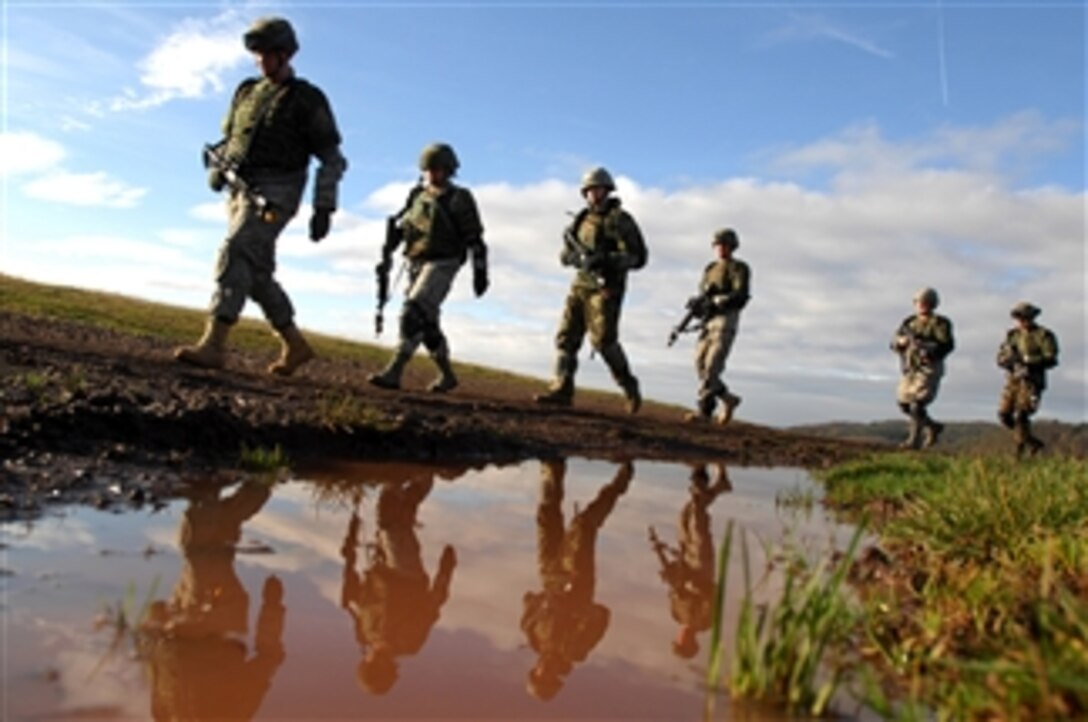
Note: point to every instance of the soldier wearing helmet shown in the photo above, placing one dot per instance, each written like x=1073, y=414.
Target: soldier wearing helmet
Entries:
x=1028, y=351
x=275, y=124
x=439, y=227
x=602, y=244
x=922, y=341
x=723, y=292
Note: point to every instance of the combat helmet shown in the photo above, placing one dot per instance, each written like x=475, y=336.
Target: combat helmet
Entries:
x=928, y=297
x=597, y=177
x=439, y=155
x=1025, y=311
x=271, y=34
x=726, y=237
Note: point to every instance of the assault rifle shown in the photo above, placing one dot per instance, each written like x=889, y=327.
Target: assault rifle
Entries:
x=215, y=159
x=591, y=262
x=1008, y=358
x=697, y=308
x=393, y=235
x=909, y=345
x=670, y=568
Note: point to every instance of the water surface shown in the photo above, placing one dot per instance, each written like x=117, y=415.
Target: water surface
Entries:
x=389, y=591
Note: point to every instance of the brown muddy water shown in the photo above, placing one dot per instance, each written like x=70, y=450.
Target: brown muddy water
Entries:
x=387, y=591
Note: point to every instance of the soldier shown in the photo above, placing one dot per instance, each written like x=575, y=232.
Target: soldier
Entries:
x=688, y=569
x=393, y=603
x=1028, y=351
x=439, y=226
x=723, y=293
x=195, y=643
x=275, y=123
x=603, y=244
x=922, y=341
x=563, y=622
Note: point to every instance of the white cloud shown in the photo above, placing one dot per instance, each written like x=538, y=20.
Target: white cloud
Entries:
x=190, y=62
x=835, y=265
x=23, y=152
x=84, y=189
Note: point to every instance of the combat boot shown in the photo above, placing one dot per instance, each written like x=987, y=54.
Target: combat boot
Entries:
x=447, y=380
x=211, y=350
x=295, y=351
x=702, y=413
x=913, y=434
x=931, y=433
x=730, y=402
x=389, y=378
x=561, y=393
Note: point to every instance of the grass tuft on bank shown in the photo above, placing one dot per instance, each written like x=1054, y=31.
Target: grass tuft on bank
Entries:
x=982, y=609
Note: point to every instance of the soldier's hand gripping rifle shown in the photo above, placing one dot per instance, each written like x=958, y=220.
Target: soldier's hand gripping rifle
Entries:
x=575, y=253
x=697, y=309
x=1009, y=358
x=227, y=169
x=913, y=350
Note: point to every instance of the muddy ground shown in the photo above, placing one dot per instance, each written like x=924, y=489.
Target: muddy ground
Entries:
x=91, y=416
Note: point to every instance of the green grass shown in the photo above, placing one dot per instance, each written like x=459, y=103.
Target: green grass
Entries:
x=261, y=459
x=788, y=654
x=987, y=616
x=176, y=325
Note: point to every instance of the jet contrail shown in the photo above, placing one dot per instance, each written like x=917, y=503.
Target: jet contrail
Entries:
x=940, y=52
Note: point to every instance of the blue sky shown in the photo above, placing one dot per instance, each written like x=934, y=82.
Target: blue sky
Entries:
x=860, y=149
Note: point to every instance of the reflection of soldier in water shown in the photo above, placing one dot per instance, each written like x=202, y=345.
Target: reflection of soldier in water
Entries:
x=196, y=646
x=562, y=622
x=689, y=568
x=393, y=604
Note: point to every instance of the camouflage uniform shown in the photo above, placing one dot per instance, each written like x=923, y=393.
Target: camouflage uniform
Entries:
x=725, y=291
x=603, y=243
x=1028, y=352
x=562, y=622
x=270, y=132
x=439, y=227
x=922, y=342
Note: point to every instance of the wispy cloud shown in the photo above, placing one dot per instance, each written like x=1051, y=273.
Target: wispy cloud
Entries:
x=804, y=27
x=27, y=153
x=84, y=189
x=38, y=160
x=190, y=62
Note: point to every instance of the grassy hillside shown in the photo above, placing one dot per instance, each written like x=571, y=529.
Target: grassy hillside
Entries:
x=973, y=437
x=176, y=325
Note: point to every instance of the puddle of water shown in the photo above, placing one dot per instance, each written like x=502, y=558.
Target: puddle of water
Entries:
x=390, y=591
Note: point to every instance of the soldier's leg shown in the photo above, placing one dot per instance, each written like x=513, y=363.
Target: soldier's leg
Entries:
x=294, y=349
x=233, y=279
x=604, y=321
x=431, y=292
x=726, y=334
x=549, y=516
x=568, y=340
x=707, y=394
x=905, y=396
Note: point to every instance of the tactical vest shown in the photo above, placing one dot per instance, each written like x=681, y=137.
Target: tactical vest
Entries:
x=727, y=277
x=433, y=225
x=278, y=127
x=935, y=330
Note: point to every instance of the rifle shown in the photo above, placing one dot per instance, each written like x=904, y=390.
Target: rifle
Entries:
x=1008, y=358
x=393, y=235
x=914, y=347
x=669, y=567
x=696, y=308
x=581, y=257
x=214, y=158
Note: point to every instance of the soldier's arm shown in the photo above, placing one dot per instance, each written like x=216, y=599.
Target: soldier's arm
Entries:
x=632, y=253
x=944, y=338
x=323, y=139
x=1050, y=350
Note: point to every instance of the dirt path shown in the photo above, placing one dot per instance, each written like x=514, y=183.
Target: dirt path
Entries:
x=101, y=417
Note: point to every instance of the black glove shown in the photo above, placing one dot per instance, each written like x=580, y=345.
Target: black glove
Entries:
x=319, y=223
x=480, y=281
x=216, y=181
